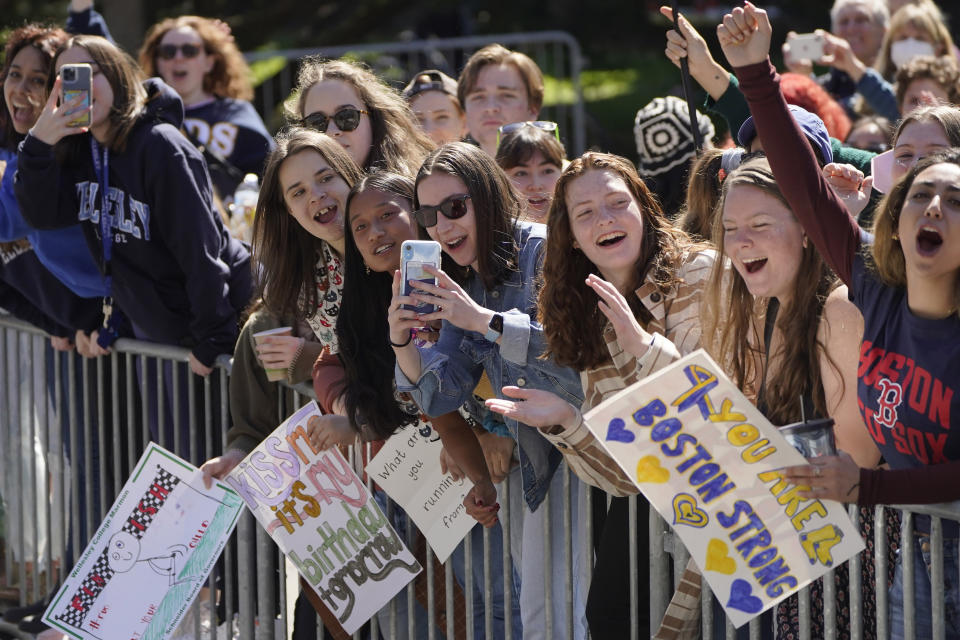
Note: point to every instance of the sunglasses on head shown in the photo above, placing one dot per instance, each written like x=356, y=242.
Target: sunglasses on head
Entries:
x=169, y=51
x=452, y=208
x=346, y=119
x=545, y=125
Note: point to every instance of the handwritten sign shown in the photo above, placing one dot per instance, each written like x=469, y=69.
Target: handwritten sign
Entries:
x=150, y=557
x=709, y=462
x=408, y=469
x=324, y=520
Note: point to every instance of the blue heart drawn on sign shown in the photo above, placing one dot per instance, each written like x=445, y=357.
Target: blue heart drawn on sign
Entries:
x=741, y=597
x=616, y=431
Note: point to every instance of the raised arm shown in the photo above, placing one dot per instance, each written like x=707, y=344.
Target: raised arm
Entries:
x=46, y=199
x=745, y=38
x=689, y=44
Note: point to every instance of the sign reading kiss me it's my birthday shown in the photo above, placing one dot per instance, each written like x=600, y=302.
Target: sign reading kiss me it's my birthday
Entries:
x=709, y=462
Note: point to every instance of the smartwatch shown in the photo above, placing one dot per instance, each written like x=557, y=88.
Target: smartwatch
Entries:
x=495, y=328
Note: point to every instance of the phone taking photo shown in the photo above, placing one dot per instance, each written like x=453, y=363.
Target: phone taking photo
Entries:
x=807, y=46
x=415, y=255
x=75, y=81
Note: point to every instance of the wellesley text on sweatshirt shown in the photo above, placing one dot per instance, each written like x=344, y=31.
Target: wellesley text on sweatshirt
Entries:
x=177, y=274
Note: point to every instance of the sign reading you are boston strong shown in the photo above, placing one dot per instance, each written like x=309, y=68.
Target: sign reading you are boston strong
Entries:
x=710, y=463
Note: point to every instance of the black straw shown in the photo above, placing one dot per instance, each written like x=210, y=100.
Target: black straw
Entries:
x=685, y=81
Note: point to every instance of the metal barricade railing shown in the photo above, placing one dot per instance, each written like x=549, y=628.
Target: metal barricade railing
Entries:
x=557, y=53
x=73, y=430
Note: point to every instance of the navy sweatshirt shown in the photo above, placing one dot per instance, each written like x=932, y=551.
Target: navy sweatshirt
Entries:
x=31, y=293
x=232, y=130
x=88, y=22
x=177, y=274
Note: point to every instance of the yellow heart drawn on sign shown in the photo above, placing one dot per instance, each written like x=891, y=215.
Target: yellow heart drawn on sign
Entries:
x=717, y=558
x=685, y=511
x=649, y=470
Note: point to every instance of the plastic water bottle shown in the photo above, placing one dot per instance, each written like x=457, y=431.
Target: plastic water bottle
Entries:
x=244, y=206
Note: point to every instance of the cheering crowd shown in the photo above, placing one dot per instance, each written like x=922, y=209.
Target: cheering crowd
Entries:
x=815, y=254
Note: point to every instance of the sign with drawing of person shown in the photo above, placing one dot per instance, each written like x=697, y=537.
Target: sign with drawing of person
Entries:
x=323, y=518
x=710, y=463
x=151, y=555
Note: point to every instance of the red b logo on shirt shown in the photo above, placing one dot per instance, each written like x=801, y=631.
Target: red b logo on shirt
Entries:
x=891, y=394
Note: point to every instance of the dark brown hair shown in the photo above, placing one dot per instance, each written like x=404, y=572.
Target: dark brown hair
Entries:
x=731, y=318
x=46, y=41
x=399, y=144
x=285, y=254
x=498, y=54
x=886, y=253
x=228, y=78
x=362, y=329
x=126, y=82
x=572, y=322
x=518, y=146
x=496, y=207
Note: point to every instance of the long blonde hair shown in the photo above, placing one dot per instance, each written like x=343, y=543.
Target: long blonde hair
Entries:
x=731, y=318
x=924, y=16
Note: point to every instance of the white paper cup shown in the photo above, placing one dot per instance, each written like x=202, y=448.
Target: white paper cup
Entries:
x=274, y=375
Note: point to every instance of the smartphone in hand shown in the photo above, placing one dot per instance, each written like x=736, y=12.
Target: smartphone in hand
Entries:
x=75, y=81
x=806, y=46
x=414, y=256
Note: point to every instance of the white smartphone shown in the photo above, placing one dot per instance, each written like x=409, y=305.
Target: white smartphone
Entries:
x=75, y=81
x=414, y=256
x=806, y=46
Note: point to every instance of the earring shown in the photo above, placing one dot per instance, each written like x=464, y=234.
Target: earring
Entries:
x=367, y=269
x=895, y=236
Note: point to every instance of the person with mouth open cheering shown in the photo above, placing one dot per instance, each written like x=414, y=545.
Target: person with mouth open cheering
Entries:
x=905, y=279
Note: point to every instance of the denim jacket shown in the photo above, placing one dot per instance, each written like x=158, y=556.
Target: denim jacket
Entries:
x=451, y=369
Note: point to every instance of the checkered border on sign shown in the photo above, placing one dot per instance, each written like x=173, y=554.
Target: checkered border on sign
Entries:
x=101, y=573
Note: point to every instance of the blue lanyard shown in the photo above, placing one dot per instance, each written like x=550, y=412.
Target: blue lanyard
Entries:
x=101, y=166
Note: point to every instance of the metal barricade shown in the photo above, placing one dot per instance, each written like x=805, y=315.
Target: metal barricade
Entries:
x=74, y=429
x=557, y=53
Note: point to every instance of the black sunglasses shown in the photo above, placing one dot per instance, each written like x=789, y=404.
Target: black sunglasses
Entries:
x=346, y=119
x=169, y=51
x=452, y=208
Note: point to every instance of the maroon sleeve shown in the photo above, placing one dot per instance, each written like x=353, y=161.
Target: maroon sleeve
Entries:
x=929, y=484
x=824, y=217
x=328, y=379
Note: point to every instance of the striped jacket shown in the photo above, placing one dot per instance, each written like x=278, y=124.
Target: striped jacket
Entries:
x=676, y=332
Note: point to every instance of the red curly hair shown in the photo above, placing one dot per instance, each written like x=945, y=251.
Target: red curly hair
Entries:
x=804, y=91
